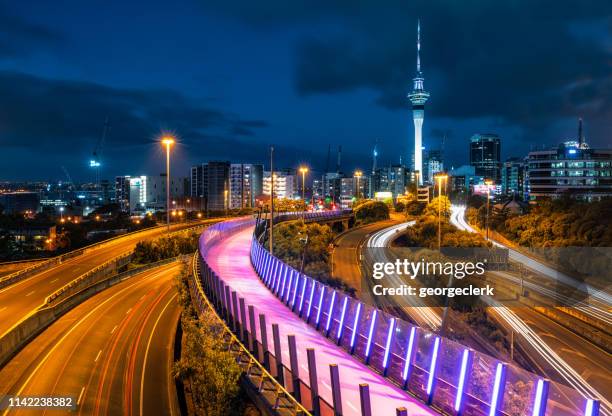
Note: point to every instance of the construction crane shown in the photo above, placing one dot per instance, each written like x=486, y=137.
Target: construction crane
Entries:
x=95, y=161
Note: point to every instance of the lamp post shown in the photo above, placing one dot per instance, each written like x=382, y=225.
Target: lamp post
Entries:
x=168, y=141
x=271, y=199
x=304, y=171
x=488, y=183
x=440, y=178
x=358, y=174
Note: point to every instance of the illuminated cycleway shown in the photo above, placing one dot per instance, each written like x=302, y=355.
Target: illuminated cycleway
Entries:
x=434, y=369
x=230, y=259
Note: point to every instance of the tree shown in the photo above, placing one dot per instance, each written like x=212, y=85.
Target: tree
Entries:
x=371, y=211
x=439, y=203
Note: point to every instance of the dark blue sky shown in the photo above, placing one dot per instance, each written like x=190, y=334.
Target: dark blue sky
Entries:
x=231, y=77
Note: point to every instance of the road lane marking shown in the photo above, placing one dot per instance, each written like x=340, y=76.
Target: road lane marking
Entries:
x=351, y=405
x=3, y=308
x=114, y=328
x=81, y=395
x=144, y=362
x=31, y=293
x=54, y=280
x=326, y=385
x=98, y=356
x=69, y=332
x=128, y=311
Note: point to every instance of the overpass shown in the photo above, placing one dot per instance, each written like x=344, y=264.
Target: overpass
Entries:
x=404, y=365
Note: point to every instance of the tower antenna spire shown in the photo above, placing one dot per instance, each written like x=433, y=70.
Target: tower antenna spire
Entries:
x=418, y=63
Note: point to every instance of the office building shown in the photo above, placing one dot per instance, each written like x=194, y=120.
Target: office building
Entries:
x=512, y=177
x=485, y=156
x=572, y=169
x=122, y=192
x=284, y=184
x=432, y=164
x=210, y=186
x=246, y=183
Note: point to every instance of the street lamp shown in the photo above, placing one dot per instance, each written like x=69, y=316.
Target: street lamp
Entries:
x=168, y=141
x=358, y=174
x=304, y=171
x=488, y=183
x=440, y=178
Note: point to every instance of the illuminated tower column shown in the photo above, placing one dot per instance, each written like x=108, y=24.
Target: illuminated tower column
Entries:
x=418, y=97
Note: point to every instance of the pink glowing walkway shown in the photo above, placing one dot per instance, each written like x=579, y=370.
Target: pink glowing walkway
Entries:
x=230, y=259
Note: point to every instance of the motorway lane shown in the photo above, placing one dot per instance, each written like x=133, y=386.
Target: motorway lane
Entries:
x=592, y=363
x=231, y=260
x=345, y=258
x=112, y=353
x=22, y=298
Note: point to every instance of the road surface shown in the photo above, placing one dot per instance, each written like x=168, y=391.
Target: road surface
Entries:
x=563, y=355
x=346, y=255
x=112, y=354
x=24, y=297
x=230, y=259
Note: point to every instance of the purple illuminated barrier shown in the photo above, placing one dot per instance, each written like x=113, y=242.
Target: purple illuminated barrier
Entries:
x=439, y=371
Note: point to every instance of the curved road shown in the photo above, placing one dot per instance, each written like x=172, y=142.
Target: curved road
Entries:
x=24, y=297
x=112, y=354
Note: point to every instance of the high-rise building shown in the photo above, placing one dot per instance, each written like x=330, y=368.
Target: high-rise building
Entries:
x=332, y=185
x=122, y=192
x=571, y=169
x=485, y=156
x=284, y=184
x=418, y=97
x=512, y=177
x=210, y=185
x=246, y=183
x=432, y=164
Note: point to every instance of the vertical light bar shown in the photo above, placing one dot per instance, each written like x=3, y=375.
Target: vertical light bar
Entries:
x=370, y=333
x=497, y=388
x=541, y=398
x=277, y=274
x=312, y=290
x=592, y=408
x=432, y=367
x=409, y=350
x=339, y=334
x=355, y=325
x=320, y=306
x=302, y=294
x=329, y=313
x=388, y=345
x=295, y=290
x=266, y=266
x=465, y=363
x=288, y=287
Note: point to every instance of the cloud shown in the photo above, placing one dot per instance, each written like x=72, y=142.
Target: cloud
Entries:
x=520, y=62
x=62, y=120
x=19, y=37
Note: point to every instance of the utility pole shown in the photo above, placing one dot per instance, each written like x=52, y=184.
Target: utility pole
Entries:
x=271, y=199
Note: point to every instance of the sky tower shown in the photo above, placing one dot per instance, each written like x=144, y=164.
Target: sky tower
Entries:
x=418, y=97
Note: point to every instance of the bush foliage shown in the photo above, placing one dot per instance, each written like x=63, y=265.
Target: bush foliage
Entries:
x=150, y=251
x=370, y=211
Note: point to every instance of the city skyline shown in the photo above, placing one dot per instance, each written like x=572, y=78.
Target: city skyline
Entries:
x=65, y=79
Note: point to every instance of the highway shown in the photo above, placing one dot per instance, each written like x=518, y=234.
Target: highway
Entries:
x=25, y=296
x=231, y=260
x=345, y=257
x=112, y=354
x=561, y=352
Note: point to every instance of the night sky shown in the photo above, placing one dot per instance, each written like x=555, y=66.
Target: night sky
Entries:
x=231, y=77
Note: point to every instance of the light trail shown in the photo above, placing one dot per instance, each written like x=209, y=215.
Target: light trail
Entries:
x=595, y=311
x=570, y=375
x=422, y=314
